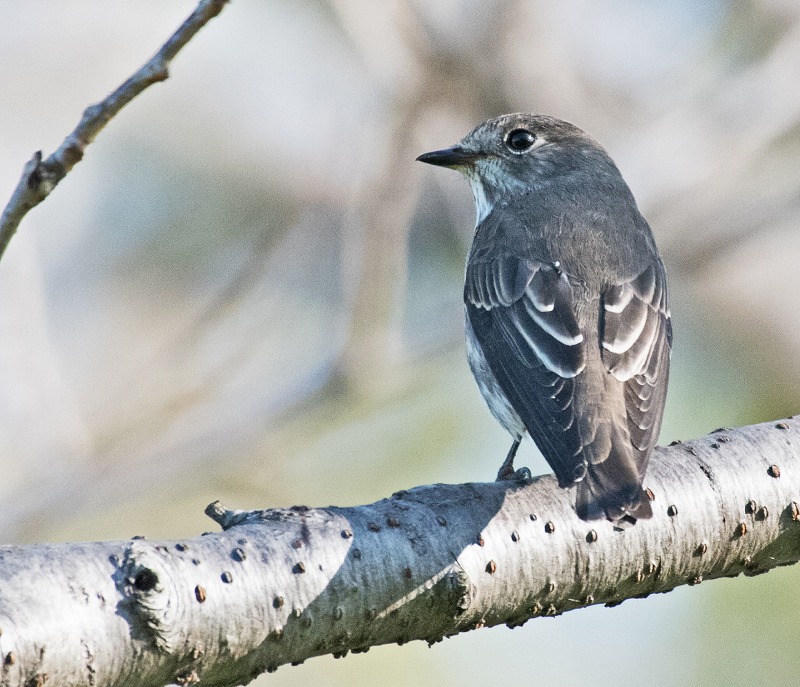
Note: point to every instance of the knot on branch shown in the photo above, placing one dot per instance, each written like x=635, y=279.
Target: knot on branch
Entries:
x=42, y=176
x=224, y=517
x=155, y=71
x=150, y=602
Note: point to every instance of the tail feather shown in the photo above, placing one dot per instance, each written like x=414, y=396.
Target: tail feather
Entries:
x=612, y=486
x=628, y=503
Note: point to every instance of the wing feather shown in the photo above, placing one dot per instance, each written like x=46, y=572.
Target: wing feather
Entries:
x=523, y=316
x=636, y=342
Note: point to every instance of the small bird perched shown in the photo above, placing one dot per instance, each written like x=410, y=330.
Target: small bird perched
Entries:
x=567, y=324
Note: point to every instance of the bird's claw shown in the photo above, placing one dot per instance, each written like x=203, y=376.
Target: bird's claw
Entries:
x=522, y=475
x=509, y=474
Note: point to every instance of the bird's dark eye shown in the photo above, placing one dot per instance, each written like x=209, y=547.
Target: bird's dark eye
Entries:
x=520, y=140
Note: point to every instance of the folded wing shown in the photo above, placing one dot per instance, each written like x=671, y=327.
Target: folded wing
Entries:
x=523, y=315
x=636, y=343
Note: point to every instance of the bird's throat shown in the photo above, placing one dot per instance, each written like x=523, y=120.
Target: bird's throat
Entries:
x=483, y=204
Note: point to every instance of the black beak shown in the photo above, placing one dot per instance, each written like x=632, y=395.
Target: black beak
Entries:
x=456, y=156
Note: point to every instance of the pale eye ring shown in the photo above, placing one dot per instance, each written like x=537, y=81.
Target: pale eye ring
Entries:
x=520, y=140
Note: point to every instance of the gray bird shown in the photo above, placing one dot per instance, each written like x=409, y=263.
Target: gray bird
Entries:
x=567, y=324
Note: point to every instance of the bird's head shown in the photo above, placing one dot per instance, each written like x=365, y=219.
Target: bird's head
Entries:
x=517, y=153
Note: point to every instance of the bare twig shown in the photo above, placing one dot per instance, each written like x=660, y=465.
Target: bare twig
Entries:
x=40, y=177
x=282, y=585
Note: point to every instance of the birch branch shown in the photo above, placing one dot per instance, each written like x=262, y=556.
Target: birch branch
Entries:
x=40, y=177
x=279, y=586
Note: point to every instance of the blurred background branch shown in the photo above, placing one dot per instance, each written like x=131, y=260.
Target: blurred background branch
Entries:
x=250, y=291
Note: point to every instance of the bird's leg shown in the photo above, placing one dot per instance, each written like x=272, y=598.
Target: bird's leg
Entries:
x=506, y=471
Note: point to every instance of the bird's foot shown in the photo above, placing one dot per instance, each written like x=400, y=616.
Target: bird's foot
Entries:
x=523, y=475
x=507, y=472
x=512, y=475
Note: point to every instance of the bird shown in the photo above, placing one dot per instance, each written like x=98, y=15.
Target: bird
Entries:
x=567, y=322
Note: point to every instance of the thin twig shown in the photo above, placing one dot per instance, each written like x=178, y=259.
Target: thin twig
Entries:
x=40, y=177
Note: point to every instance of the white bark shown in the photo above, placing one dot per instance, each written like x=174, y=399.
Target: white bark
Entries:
x=279, y=586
